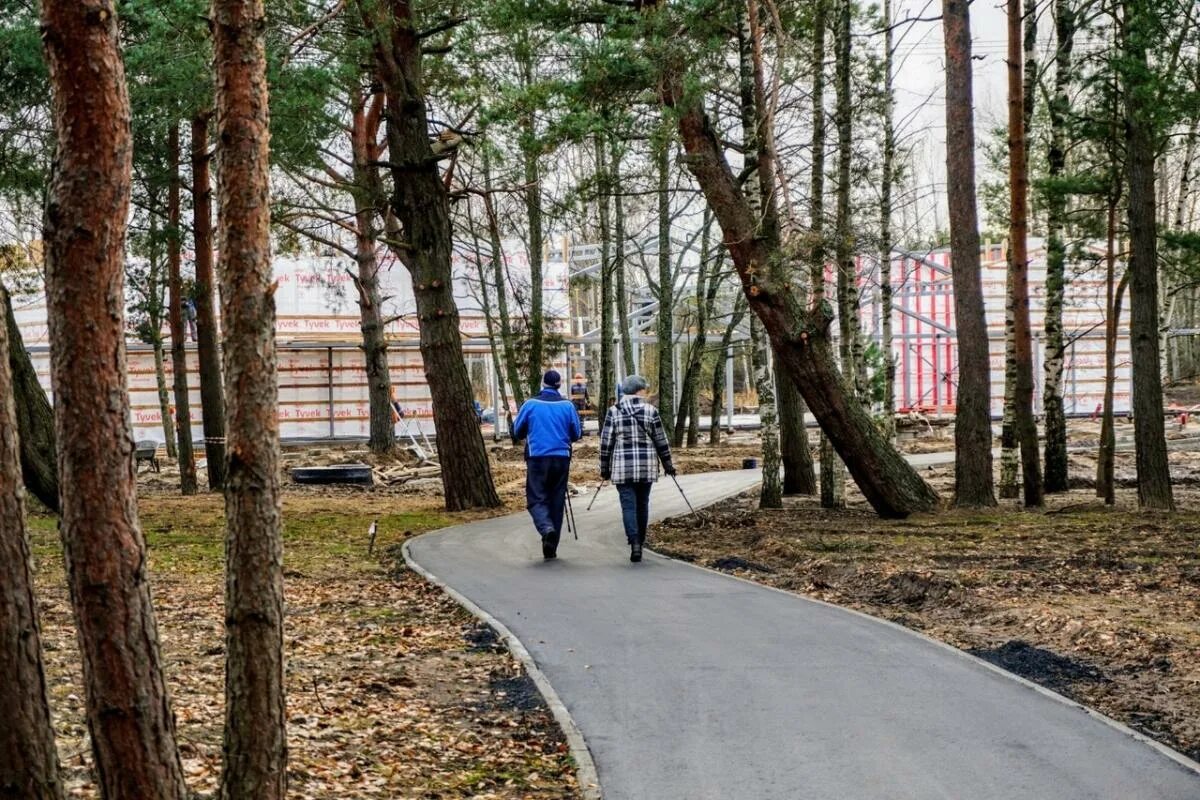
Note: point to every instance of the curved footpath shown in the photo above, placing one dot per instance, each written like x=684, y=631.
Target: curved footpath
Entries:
x=690, y=684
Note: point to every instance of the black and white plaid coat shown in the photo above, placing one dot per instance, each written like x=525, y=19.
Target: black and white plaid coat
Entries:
x=632, y=442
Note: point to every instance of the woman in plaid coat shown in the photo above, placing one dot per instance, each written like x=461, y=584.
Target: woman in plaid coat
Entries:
x=632, y=443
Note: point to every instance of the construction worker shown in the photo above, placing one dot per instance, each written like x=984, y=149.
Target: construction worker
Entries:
x=579, y=393
x=548, y=423
x=632, y=443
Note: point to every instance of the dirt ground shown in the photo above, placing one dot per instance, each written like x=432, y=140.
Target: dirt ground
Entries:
x=393, y=691
x=1098, y=604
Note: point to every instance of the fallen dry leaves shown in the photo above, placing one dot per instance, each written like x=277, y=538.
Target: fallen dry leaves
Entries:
x=392, y=690
x=1099, y=604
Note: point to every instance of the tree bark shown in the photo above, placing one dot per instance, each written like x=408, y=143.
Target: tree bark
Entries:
x=530, y=151
x=608, y=377
x=208, y=348
x=1105, y=461
x=888, y=178
x=689, y=406
x=800, y=336
x=421, y=204
x=1026, y=428
x=497, y=245
x=255, y=740
x=1056, y=255
x=154, y=316
x=28, y=756
x=128, y=711
x=1010, y=456
x=1153, y=472
x=718, y=376
x=627, y=333
x=494, y=344
x=972, y=419
x=771, y=495
x=666, y=285
x=368, y=189
x=850, y=334
x=35, y=417
x=183, y=411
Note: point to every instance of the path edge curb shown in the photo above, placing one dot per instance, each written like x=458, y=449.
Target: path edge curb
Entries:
x=1168, y=752
x=585, y=766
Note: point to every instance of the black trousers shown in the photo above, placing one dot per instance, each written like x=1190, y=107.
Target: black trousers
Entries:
x=546, y=493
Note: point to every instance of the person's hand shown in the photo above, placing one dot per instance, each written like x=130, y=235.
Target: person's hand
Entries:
x=605, y=475
x=670, y=470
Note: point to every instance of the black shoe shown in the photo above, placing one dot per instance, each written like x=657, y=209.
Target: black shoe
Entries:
x=549, y=548
x=635, y=552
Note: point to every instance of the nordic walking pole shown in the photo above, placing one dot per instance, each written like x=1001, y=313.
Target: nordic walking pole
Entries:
x=685, y=498
x=571, y=517
x=597, y=494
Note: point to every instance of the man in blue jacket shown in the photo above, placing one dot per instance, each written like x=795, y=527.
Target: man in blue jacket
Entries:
x=549, y=424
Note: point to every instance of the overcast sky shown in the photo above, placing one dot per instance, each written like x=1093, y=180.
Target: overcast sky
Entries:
x=920, y=87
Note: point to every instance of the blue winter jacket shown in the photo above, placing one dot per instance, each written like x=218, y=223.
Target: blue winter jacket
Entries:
x=548, y=423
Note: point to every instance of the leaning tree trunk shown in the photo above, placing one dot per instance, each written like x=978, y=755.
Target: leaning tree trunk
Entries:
x=131, y=726
x=973, y=420
x=421, y=204
x=1153, y=472
x=364, y=133
x=1026, y=428
x=208, y=348
x=35, y=417
x=183, y=411
x=28, y=757
x=255, y=741
x=800, y=336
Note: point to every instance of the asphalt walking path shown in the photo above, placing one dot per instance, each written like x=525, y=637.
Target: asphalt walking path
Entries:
x=690, y=684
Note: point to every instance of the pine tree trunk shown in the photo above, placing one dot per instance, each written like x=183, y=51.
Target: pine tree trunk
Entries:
x=511, y=364
x=35, y=417
x=368, y=190
x=208, y=348
x=1153, y=473
x=718, y=376
x=1026, y=428
x=888, y=178
x=533, y=210
x=129, y=714
x=421, y=204
x=1010, y=457
x=183, y=411
x=1056, y=255
x=28, y=757
x=494, y=344
x=627, y=333
x=255, y=741
x=771, y=495
x=666, y=285
x=608, y=378
x=1105, y=460
x=972, y=420
x=685, y=415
